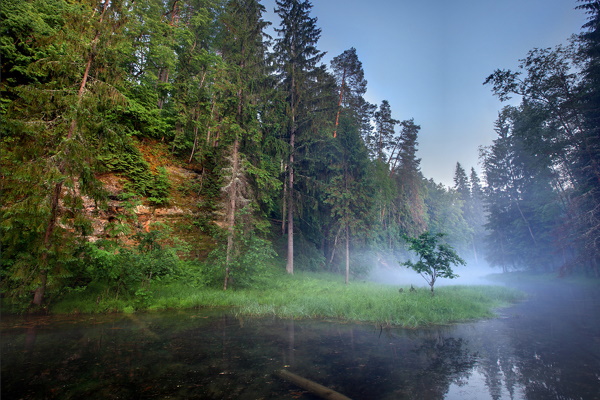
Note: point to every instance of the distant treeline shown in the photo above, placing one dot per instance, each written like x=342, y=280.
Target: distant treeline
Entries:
x=286, y=146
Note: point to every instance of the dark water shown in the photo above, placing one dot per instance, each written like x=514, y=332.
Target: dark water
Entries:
x=547, y=347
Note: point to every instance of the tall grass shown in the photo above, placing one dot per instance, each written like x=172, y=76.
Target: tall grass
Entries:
x=313, y=297
x=324, y=296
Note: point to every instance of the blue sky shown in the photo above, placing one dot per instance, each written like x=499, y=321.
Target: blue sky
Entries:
x=429, y=60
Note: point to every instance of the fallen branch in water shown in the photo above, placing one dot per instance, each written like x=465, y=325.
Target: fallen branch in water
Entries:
x=313, y=387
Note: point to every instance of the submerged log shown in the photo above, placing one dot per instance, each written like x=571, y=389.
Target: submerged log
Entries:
x=313, y=387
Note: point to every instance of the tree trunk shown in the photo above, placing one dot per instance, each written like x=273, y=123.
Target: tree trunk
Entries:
x=313, y=387
x=290, y=211
x=163, y=77
x=226, y=281
x=335, y=240
x=232, y=209
x=40, y=291
x=290, y=200
x=340, y=100
x=526, y=222
x=284, y=204
x=347, y=254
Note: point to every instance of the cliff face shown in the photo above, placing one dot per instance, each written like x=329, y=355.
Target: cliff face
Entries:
x=126, y=214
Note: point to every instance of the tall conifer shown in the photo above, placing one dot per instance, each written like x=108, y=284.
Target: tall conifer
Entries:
x=53, y=128
x=243, y=49
x=296, y=57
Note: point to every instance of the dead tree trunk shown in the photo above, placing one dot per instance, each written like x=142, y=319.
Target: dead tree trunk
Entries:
x=313, y=387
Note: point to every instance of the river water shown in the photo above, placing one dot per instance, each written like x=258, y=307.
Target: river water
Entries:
x=547, y=347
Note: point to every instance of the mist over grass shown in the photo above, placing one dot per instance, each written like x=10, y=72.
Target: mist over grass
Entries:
x=387, y=270
x=316, y=295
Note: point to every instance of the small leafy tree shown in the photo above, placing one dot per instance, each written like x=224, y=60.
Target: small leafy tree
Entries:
x=435, y=259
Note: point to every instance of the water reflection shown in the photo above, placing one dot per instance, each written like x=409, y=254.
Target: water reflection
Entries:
x=532, y=352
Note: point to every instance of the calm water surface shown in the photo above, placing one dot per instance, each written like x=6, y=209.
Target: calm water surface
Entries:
x=547, y=347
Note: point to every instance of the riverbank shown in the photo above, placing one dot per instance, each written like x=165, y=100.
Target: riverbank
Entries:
x=308, y=295
x=540, y=348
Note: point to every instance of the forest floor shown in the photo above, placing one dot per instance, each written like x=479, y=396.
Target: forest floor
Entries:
x=310, y=295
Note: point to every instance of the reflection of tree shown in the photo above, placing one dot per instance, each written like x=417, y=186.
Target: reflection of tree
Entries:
x=448, y=361
x=494, y=367
x=543, y=379
x=538, y=353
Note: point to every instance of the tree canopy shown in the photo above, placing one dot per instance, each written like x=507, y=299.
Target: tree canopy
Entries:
x=435, y=258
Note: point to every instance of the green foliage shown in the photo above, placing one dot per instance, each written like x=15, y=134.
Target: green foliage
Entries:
x=111, y=277
x=250, y=266
x=554, y=133
x=445, y=214
x=307, y=257
x=435, y=259
x=54, y=122
x=524, y=209
x=158, y=190
x=128, y=160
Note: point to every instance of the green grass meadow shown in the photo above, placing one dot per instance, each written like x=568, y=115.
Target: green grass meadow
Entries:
x=310, y=295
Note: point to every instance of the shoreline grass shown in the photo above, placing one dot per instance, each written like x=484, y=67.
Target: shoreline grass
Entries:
x=313, y=296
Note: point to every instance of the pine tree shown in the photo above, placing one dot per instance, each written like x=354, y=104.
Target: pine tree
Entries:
x=191, y=114
x=384, y=141
x=350, y=78
x=557, y=129
x=463, y=191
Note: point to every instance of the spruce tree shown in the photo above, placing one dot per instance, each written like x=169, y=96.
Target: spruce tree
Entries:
x=407, y=172
x=476, y=218
x=296, y=57
x=561, y=132
x=461, y=182
x=523, y=209
x=445, y=214
x=243, y=49
x=53, y=128
x=348, y=192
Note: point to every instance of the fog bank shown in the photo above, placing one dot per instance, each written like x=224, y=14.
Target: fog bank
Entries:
x=471, y=274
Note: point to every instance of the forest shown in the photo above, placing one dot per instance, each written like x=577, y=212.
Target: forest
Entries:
x=157, y=140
